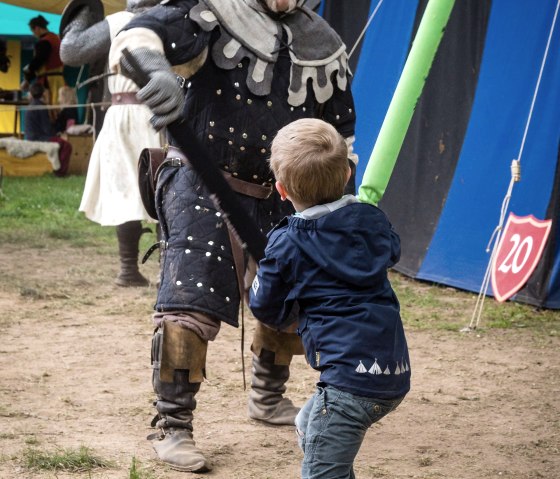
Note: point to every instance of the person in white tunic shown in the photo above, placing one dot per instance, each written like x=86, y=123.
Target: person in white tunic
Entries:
x=111, y=195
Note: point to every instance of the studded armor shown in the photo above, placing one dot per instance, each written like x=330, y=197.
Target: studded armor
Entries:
x=236, y=118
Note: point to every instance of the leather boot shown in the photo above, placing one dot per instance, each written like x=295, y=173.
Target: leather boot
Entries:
x=128, y=235
x=177, y=449
x=268, y=384
x=174, y=444
x=175, y=403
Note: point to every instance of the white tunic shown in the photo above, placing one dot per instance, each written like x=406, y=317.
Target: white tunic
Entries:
x=111, y=195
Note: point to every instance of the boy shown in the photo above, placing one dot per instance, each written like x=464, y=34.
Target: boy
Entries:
x=330, y=259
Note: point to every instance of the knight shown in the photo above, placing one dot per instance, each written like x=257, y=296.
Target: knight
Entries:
x=233, y=73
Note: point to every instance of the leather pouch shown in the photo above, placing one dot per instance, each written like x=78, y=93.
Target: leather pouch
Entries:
x=148, y=168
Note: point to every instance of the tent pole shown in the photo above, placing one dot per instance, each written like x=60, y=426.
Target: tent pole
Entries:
x=401, y=109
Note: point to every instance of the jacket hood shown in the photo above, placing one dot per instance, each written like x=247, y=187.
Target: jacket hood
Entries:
x=351, y=241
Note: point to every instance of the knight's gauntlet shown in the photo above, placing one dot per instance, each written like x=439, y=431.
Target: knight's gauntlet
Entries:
x=162, y=94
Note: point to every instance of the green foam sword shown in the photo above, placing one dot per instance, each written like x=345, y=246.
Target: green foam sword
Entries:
x=409, y=88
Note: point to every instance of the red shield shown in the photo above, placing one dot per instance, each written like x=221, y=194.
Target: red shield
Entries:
x=518, y=254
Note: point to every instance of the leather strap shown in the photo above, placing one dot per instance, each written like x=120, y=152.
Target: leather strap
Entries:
x=239, y=262
x=261, y=192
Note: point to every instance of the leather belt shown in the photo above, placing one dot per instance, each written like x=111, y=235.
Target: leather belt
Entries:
x=125, y=98
x=261, y=192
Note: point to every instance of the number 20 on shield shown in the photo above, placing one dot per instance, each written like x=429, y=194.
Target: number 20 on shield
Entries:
x=518, y=254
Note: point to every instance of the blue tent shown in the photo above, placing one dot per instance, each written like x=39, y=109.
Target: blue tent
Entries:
x=446, y=192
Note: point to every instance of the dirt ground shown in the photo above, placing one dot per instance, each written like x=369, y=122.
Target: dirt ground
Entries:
x=74, y=370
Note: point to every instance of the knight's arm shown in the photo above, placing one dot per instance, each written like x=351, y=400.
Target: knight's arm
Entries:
x=151, y=39
x=83, y=44
x=162, y=94
x=40, y=57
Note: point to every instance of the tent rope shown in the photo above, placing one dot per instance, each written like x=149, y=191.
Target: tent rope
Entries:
x=93, y=79
x=515, y=177
x=80, y=73
x=363, y=32
x=7, y=108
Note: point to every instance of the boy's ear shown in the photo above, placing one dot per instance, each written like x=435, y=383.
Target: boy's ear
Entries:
x=281, y=190
x=349, y=174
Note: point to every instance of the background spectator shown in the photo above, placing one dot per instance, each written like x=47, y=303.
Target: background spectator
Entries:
x=38, y=126
x=4, y=58
x=45, y=66
x=68, y=114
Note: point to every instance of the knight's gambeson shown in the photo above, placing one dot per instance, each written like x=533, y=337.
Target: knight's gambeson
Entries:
x=247, y=84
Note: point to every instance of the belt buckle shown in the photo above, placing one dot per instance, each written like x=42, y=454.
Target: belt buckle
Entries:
x=181, y=81
x=270, y=187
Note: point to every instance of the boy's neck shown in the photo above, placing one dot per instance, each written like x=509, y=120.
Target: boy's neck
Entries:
x=299, y=207
x=317, y=211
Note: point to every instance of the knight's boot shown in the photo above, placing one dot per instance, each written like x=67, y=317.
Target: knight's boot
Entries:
x=128, y=235
x=178, y=359
x=272, y=354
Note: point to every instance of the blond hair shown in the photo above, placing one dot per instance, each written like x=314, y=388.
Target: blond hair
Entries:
x=310, y=158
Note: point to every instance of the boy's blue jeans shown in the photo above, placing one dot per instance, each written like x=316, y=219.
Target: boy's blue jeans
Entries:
x=331, y=427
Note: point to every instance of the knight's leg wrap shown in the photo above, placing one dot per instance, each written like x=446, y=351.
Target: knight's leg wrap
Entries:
x=178, y=361
x=128, y=236
x=272, y=354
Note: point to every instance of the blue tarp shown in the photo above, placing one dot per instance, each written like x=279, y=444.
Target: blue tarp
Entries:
x=14, y=21
x=455, y=250
x=505, y=89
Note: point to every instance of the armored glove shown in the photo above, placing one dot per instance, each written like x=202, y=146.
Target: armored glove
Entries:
x=162, y=93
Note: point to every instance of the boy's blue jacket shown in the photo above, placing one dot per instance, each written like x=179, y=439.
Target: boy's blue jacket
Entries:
x=334, y=266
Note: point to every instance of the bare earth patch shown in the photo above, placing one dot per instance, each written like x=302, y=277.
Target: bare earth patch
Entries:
x=75, y=371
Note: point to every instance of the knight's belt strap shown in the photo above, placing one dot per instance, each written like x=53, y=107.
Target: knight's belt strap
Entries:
x=261, y=192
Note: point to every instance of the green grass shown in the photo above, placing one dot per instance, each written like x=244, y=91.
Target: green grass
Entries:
x=34, y=211
x=40, y=211
x=68, y=460
x=138, y=472
x=32, y=441
x=430, y=306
